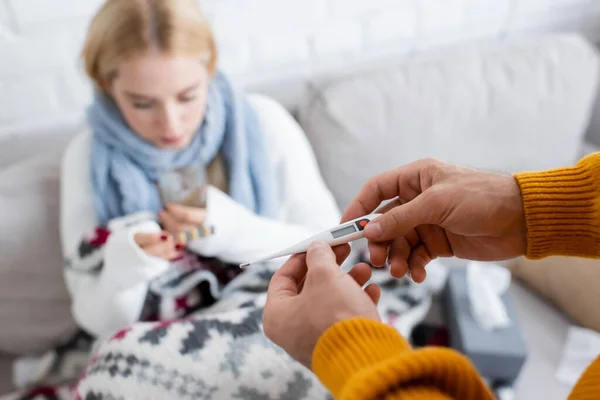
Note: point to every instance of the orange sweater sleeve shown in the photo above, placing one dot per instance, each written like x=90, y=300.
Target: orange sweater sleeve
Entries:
x=562, y=210
x=360, y=359
x=364, y=359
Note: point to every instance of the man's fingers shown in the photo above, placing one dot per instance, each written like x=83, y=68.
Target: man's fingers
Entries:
x=418, y=260
x=322, y=264
x=374, y=292
x=435, y=241
x=320, y=255
x=375, y=191
x=341, y=253
x=398, y=259
x=286, y=279
x=388, y=206
x=361, y=273
x=386, y=186
x=418, y=274
x=402, y=219
x=378, y=253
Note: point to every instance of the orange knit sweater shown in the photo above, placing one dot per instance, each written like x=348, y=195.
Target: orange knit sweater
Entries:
x=363, y=359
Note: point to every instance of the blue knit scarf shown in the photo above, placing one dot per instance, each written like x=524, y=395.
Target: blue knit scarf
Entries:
x=125, y=167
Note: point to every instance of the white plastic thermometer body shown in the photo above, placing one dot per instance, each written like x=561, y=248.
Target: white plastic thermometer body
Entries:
x=344, y=233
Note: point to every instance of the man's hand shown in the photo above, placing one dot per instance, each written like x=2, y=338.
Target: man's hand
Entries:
x=440, y=210
x=294, y=319
x=178, y=218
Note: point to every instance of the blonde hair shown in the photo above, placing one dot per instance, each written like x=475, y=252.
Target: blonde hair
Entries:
x=123, y=29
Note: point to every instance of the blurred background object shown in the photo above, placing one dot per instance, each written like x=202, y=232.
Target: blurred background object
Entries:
x=262, y=42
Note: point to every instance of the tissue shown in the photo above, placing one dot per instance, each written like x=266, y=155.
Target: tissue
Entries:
x=486, y=283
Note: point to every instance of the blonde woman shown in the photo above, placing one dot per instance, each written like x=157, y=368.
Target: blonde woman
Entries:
x=161, y=104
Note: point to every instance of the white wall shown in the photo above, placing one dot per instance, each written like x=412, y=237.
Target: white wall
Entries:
x=40, y=40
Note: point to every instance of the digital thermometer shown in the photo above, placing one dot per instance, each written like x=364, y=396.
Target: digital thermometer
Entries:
x=344, y=233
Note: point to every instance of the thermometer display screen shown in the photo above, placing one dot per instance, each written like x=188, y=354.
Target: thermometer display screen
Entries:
x=343, y=231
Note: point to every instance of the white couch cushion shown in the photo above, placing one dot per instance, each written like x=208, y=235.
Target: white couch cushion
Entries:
x=506, y=107
x=19, y=146
x=34, y=303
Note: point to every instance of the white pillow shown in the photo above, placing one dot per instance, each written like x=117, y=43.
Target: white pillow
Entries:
x=507, y=107
x=34, y=303
x=20, y=146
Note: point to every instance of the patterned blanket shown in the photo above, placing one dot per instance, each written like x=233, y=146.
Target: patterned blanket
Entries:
x=217, y=352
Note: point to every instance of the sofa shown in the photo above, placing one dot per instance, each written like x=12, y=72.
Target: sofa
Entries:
x=508, y=106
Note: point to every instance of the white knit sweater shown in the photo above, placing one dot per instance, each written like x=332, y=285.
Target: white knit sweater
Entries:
x=112, y=299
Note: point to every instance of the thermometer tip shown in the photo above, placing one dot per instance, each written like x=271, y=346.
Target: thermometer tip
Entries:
x=245, y=265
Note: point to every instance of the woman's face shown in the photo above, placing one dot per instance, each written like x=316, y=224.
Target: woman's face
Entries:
x=162, y=97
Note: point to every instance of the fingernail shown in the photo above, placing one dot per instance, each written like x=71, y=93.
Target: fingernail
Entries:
x=164, y=237
x=179, y=247
x=373, y=230
x=319, y=244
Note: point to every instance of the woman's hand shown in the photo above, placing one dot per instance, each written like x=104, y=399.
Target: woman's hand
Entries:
x=161, y=245
x=178, y=218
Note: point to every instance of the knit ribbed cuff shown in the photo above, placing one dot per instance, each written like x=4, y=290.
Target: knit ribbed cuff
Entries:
x=363, y=359
x=349, y=346
x=562, y=210
x=588, y=385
